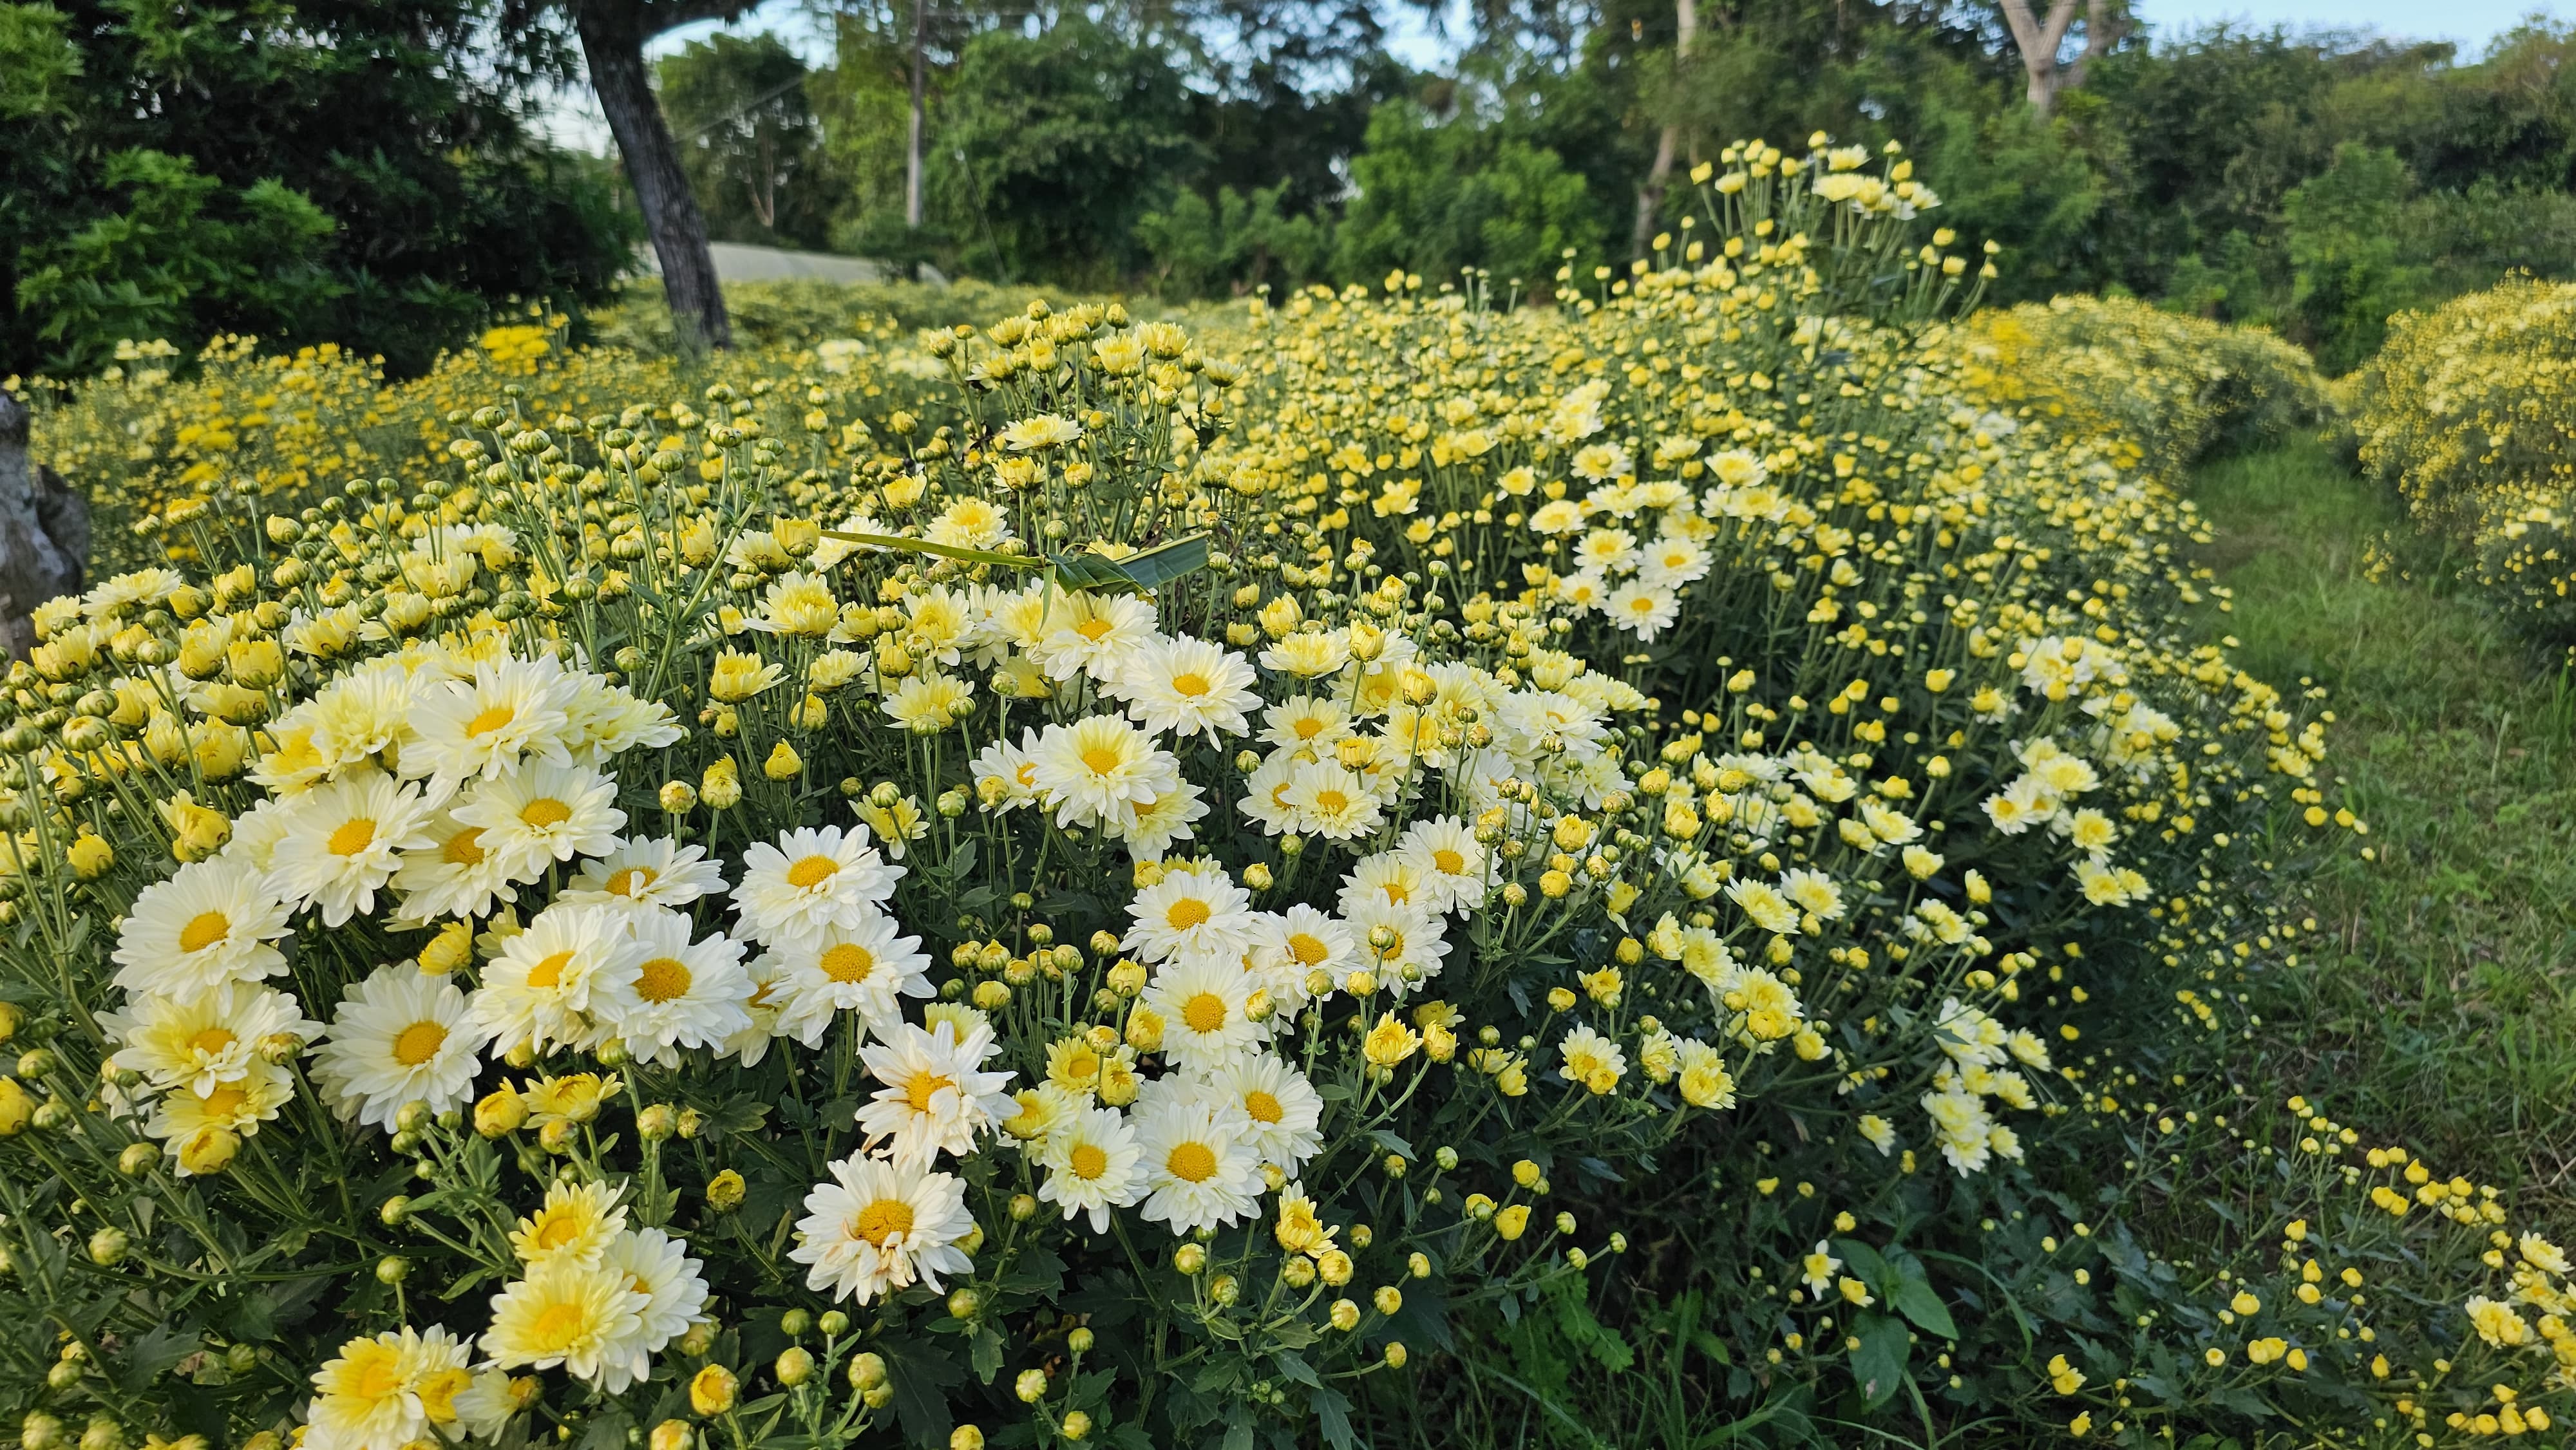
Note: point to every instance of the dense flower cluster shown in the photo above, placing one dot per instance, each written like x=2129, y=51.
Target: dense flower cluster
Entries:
x=1129, y=897
x=2467, y=410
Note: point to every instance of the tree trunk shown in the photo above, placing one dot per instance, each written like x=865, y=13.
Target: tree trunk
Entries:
x=1650, y=197
x=912, y=151
x=44, y=533
x=2039, y=40
x=613, y=43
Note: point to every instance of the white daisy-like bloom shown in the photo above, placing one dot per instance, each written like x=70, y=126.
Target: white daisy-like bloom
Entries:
x=200, y=1039
x=344, y=840
x=577, y=1222
x=1196, y=909
x=482, y=725
x=666, y=992
x=1189, y=687
x=1093, y=634
x=210, y=924
x=604, y=720
x=1307, y=940
x=878, y=1228
x=812, y=881
x=1415, y=945
x=761, y=1011
x=1265, y=794
x=541, y=813
x=1006, y=775
x=658, y=1267
x=1309, y=654
x=868, y=969
x=565, y=1312
x=360, y=716
x=1671, y=562
x=1585, y=590
x=1331, y=801
x=401, y=1035
x=1306, y=722
x=1387, y=878
x=540, y=989
x=1203, y=1001
x=1098, y=766
x=1644, y=610
x=486, y=1406
x=382, y=1391
x=1091, y=1160
x=646, y=871
x=256, y=833
x=1199, y=1169
x=1282, y=1113
x=455, y=874
x=237, y=1105
x=1452, y=863
x=936, y=1096
x=1149, y=830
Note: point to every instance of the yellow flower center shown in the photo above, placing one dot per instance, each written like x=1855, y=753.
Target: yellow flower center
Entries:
x=465, y=848
x=545, y=811
x=491, y=719
x=1100, y=760
x=1448, y=862
x=631, y=881
x=882, y=1220
x=923, y=1086
x=378, y=1377
x=1191, y=1162
x=352, y=837
x=224, y=1101
x=1263, y=1107
x=1092, y=629
x=1189, y=683
x=1186, y=913
x=419, y=1043
x=1307, y=948
x=1087, y=1160
x=212, y=1041
x=811, y=872
x=1331, y=802
x=549, y=973
x=1308, y=728
x=204, y=930
x=848, y=962
x=1204, y=1012
x=662, y=979
x=558, y=1231
x=557, y=1326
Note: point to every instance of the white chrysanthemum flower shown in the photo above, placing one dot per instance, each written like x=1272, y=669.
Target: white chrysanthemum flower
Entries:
x=877, y=1228
x=577, y=1222
x=383, y=1391
x=541, y=988
x=1671, y=562
x=1093, y=634
x=1453, y=864
x=208, y=925
x=1203, y=1003
x=658, y=1267
x=1199, y=1169
x=667, y=992
x=1332, y=802
x=935, y=1097
x=1386, y=878
x=478, y=727
x=400, y=1036
x=646, y=871
x=1308, y=940
x=1149, y=830
x=1305, y=722
x=344, y=840
x=1098, y=766
x=565, y=1312
x=1091, y=1160
x=868, y=969
x=360, y=716
x=1192, y=910
x=797, y=603
x=1644, y=610
x=1413, y=947
x=1282, y=1112
x=603, y=721
x=1006, y=775
x=768, y=989
x=539, y=814
x=1265, y=794
x=236, y=1105
x=455, y=874
x=1188, y=687
x=809, y=883
x=203, y=1038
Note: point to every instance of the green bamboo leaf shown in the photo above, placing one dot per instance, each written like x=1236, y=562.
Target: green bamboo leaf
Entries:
x=944, y=551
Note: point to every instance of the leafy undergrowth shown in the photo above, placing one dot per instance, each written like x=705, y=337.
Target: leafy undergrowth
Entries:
x=2443, y=1014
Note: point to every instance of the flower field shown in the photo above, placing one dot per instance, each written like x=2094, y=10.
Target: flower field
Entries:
x=1325, y=873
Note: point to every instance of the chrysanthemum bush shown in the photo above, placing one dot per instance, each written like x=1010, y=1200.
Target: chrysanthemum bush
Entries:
x=2467, y=411
x=1194, y=901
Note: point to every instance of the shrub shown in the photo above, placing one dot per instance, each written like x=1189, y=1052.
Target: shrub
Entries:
x=1198, y=900
x=2468, y=413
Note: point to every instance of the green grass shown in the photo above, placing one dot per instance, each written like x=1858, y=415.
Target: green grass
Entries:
x=2441, y=1010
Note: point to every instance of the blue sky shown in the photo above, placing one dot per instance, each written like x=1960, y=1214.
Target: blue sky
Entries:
x=575, y=120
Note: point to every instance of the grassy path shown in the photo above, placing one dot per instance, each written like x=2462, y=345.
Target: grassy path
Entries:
x=2443, y=1013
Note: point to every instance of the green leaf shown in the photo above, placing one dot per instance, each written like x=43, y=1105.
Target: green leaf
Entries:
x=987, y=1355
x=1294, y=1367
x=1918, y=1301
x=1333, y=1411
x=1164, y=563
x=1879, y=1363
x=160, y=1347
x=924, y=546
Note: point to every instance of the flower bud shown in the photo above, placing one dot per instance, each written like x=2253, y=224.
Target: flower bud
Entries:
x=1080, y=1340
x=965, y=1437
x=90, y=857
x=712, y=1390
x=833, y=1324
x=794, y=1366
x=107, y=1247
x=40, y=1431
x=1077, y=1425
x=557, y=1135
x=1395, y=1355
x=392, y=1269
x=208, y=1151
x=671, y=1435
x=867, y=1371
x=1031, y=1386
x=964, y=1303
x=725, y=1191
x=502, y=1111
x=678, y=796
x=137, y=1159
x=783, y=762
x=1189, y=1258
x=657, y=1122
